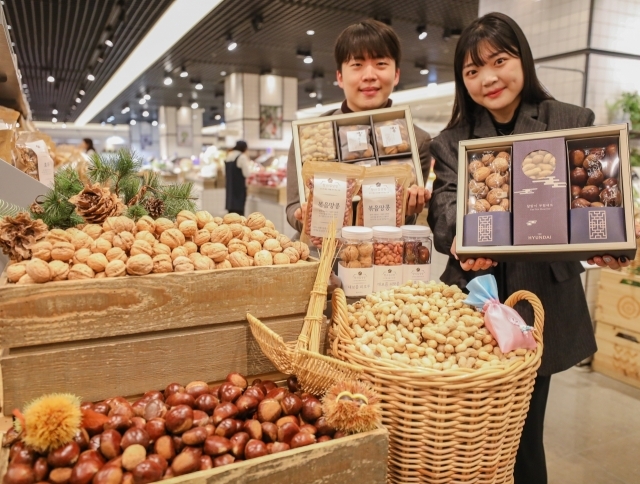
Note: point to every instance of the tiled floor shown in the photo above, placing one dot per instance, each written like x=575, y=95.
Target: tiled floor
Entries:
x=592, y=430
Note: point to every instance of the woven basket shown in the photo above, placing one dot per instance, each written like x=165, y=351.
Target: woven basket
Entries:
x=452, y=426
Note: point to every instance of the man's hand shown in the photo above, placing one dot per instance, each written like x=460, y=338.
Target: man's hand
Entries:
x=479, y=264
x=609, y=261
x=301, y=212
x=418, y=196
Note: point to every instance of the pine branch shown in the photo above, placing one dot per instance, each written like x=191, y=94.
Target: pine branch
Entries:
x=129, y=187
x=135, y=212
x=101, y=170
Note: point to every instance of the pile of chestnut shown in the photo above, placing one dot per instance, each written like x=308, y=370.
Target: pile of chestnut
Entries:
x=181, y=430
x=594, y=177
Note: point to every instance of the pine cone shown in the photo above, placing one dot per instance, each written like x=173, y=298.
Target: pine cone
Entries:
x=19, y=233
x=154, y=207
x=36, y=208
x=96, y=203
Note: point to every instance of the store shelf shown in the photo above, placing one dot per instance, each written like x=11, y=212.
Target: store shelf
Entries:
x=18, y=188
x=11, y=94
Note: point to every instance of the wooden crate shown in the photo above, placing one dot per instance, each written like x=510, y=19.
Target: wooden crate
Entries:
x=619, y=300
x=123, y=336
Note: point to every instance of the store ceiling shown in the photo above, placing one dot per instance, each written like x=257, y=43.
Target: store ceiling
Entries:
x=63, y=37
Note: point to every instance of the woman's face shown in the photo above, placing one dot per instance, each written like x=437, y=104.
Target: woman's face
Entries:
x=496, y=85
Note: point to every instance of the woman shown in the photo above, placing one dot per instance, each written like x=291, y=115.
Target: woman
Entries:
x=87, y=146
x=498, y=93
x=237, y=170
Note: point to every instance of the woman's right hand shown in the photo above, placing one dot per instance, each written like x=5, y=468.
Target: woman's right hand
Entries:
x=479, y=264
x=301, y=212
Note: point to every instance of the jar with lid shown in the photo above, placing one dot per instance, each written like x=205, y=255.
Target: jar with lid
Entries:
x=416, y=258
x=387, y=257
x=355, y=268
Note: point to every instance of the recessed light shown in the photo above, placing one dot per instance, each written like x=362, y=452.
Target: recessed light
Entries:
x=228, y=104
x=308, y=59
x=64, y=125
x=313, y=94
x=142, y=101
x=108, y=43
x=231, y=44
x=217, y=117
x=145, y=114
x=424, y=72
x=73, y=108
x=318, y=106
x=103, y=123
x=335, y=83
x=199, y=86
x=311, y=32
x=223, y=73
x=184, y=73
x=432, y=84
x=167, y=80
x=132, y=122
x=179, y=94
x=51, y=79
x=91, y=77
x=147, y=96
x=194, y=105
x=154, y=123
x=54, y=120
x=125, y=110
x=78, y=100
x=55, y=111
x=82, y=93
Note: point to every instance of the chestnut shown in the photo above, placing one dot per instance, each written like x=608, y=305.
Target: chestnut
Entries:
x=109, y=474
x=246, y=404
x=229, y=392
x=40, y=469
x=590, y=193
x=311, y=410
x=612, y=150
x=239, y=424
x=255, y=448
x=64, y=456
x=119, y=407
x=302, y=439
x=185, y=463
x=154, y=395
x=237, y=379
x=15, y=449
x=276, y=447
x=269, y=432
x=206, y=403
x=146, y=472
x=253, y=428
x=117, y=462
x=339, y=434
x=165, y=447
x=158, y=459
x=269, y=385
x=269, y=410
x=173, y=388
x=206, y=463
x=610, y=182
x=110, y=442
x=200, y=418
x=133, y=455
x=10, y=438
x=81, y=438
x=292, y=384
x=179, y=419
x=86, y=406
x=211, y=429
x=310, y=429
x=94, y=442
x=226, y=428
x=323, y=438
x=168, y=474
x=287, y=419
x=576, y=157
x=223, y=460
x=597, y=204
x=101, y=407
x=259, y=386
x=180, y=399
x=195, y=436
x=60, y=475
x=238, y=443
x=135, y=435
x=84, y=471
x=127, y=478
x=287, y=431
x=291, y=404
x=197, y=388
x=276, y=393
x=118, y=422
x=578, y=176
x=156, y=428
x=19, y=474
x=177, y=443
x=216, y=445
x=224, y=411
x=580, y=203
x=592, y=162
x=611, y=197
x=254, y=392
x=139, y=422
x=323, y=427
x=155, y=409
x=596, y=177
x=24, y=456
x=139, y=405
x=575, y=192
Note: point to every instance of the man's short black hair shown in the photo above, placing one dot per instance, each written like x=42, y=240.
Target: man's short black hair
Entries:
x=367, y=39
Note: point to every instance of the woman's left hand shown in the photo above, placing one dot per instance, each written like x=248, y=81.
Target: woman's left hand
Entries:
x=609, y=261
x=418, y=197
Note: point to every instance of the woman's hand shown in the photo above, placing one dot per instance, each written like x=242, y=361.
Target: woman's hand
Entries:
x=418, y=197
x=301, y=212
x=479, y=264
x=609, y=261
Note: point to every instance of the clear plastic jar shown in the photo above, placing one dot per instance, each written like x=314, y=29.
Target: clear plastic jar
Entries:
x=357, y=247
x=387, y=246
x=417, y=244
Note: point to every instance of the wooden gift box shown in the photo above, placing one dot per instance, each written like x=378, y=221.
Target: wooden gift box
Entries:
x=551, y=252
x=361, y=118
x=122, y=336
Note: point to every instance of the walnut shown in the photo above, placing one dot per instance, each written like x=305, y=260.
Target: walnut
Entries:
x=163, y=224
x=495, y=180
x=284, y=241
x=92, y=230
x=222, y=234
x=115, y=253
x=349, y=253
x=211, y=226
x=140, y=247
x=237, y=230
x=80, y=271
x=190, y=246
x=263, y=258
x=240, y=259
x=124, y=240
x=172, y=237
x=122, y=224
x=100, y=275
x=243, y=220
x=202, y=263
x=303, y=249
x=16, y=271
x=504, y=154
x=80, y=240
x=482, y=206
x=81, y=256
x=146, y=236
x=185, y=215
x=26, y=279
x=179, y=252
x=292, y=253
x=108, y=236
x=161, y=249
x=272, y=245
x=253, y=247
x=98, y=262
x=496, y=195
x=232, y=218
x=504, y=203
x=214, y=250
x=246, y=234
x=42, y=250
x=481, y=174
x=236, y=245
x=269, y=232
x=100, y=245
x=281, y=259
x=116, y=268
x=57, y=235
x=496, y=208
x=354, y=264
x=188, y=228
x=108, y=224
x=225, y=264
x=162, y=264
x=258, y=235
x=202, y=236
x=62, y=251
x=139, y=265
x=487, y=159
x=203, y=218
x=500, y=165
x=269, y=223
x=364, y=250
x=479, y=189
x=217, y=220
x=147, y=224
x=256, y=221
x=183, y=264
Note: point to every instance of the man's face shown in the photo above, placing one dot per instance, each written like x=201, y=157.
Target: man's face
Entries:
x=368, y=83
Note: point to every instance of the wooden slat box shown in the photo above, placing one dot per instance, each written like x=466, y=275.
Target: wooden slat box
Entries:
x=122, y=336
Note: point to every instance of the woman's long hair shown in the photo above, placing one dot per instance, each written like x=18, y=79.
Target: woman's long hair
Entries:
x=504, y=35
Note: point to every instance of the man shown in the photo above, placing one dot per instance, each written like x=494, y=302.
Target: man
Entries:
x=367, y=56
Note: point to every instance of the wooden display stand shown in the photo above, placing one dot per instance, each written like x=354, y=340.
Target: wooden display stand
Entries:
x=618, y=327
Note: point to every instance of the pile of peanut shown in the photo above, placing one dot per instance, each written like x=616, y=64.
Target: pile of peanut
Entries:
x=425, y=325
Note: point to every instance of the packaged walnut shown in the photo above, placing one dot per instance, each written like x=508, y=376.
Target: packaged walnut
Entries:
x=317, y=142
x=392, y=137
x=355, y=268
x=383, y=196
x=489, y=181
x=329, y=191
x=33, y=158
x=355, y=142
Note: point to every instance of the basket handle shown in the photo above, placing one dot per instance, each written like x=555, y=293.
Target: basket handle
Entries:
x=538, y=310
x=340, y=319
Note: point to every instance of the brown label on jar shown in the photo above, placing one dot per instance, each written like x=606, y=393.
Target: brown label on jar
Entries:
x=379, y=200
x=356, y=282
x=386, y=277
x=329, y=196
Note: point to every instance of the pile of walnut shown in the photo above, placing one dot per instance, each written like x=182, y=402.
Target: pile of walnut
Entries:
x=120, y=247
x=176, y=432
x=425, y=325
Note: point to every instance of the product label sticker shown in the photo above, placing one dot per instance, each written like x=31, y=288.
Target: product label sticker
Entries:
x=379, y=201
x=329, y=202
x=45, y=163
x=416, y=272
x=386, y=277
x=391, y=135
x=357, y=140
x=356, y=282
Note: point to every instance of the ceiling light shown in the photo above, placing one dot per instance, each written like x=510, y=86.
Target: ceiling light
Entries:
x=167, y=80
x=228, y=104
x=183, y=72
x=318, y=106
x=82, y=93
x=217, y=117
x=179, y=94
x=311, y=32
x=54, y=120
x=111, y=118
x=78, y=100
x=223, y=73
x=142, y=101
x=51, y=79
x=335, y=83
x=422, y=32
x=257, y=22
x=91, y=77
x=100, y=59
x=145, y=114
x=424, y=72
x=132, y=122
x=103, y=123
x=73, y=108
x=154, y=123
x=231, y=44
x=64, y=125
x=108, y=43
x=194, y=105
x=199, y=86
x=55, y=111
x=308, y=59
x=313, y=94
x=432, y=85
x=125, y=109
x=147, y=96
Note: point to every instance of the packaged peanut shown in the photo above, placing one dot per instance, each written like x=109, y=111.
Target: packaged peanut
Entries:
x=383, y=195
x=329, y=191
x=317, y=142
